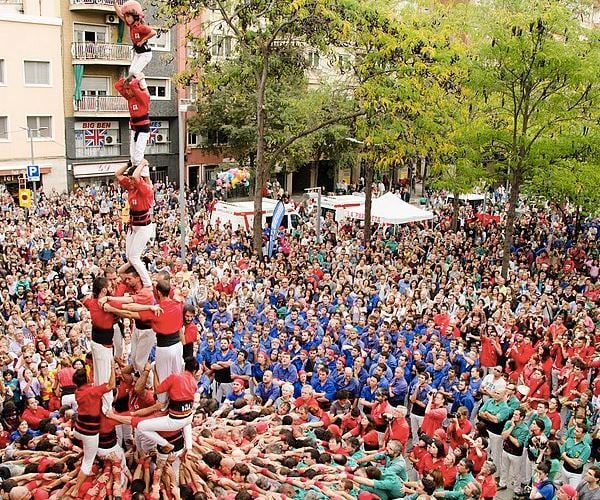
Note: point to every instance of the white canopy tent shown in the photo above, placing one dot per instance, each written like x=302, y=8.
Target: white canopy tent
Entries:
x=390, y=209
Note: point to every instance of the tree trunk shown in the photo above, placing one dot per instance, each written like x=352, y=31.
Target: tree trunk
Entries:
x=260, y=177
x=515, y=185
x=455, y=211
x=423, y=175
x=368, y=200
x=577, y=228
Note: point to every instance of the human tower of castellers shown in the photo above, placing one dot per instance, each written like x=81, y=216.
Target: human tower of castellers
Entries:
x=164, y=424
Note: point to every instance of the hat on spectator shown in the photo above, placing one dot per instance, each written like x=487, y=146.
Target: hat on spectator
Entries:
x=567, y=489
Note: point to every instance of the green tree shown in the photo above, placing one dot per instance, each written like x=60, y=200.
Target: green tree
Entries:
x=535, y=68
x=264, y=32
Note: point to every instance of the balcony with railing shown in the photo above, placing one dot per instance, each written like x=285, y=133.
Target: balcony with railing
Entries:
x=97, y=5
x=101, y=106
x=98, y=151
x=101, y=53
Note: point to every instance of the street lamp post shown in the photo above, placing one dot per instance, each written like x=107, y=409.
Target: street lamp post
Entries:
x=185, y=106
x=30, y=132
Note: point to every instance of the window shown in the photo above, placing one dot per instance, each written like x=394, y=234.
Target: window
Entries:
x=159, y=88
x=162, y=40
x=158, y=142
x=37, y=72
x=220, y=45
x=40, y=126
x=191, y=50
x=2, y=75
x=96, y=86
x=97, y=139
x=90, y=33
x=3, y=128
x=192, y=139
x=313, y=59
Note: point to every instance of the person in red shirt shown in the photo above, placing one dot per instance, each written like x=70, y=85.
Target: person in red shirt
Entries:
x=87, y=425
x=180, y=389
x=167, y=325
x=143, y=338
x=486, y=479
x=140, y=196
x=102, y=337
x=34, y=413
x=190, y=331
x=138, y=102
x=132, y=15
x=118, y=289
x=398, y=428
x=63, y=383
x=435, y=413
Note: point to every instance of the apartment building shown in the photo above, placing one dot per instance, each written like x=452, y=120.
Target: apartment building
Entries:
x=97, y=52
x=31, y=82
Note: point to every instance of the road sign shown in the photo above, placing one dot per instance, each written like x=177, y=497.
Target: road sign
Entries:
x=33, y=173
x=25, y=198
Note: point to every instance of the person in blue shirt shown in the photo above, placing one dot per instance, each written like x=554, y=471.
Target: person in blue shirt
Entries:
x=222, y=315
x=206, y=351
x=242, y=368
x=368, y=393
x=267, y=391
x=543, y=488
x=463, y=397
x=285, y=371
x=221, y=361
x=323, y=386
x=398, y=387
x=349, y=383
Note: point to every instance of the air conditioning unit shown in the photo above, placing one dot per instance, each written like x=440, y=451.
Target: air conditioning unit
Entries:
x=112, y=19
x=160, y=139
x=109, y=139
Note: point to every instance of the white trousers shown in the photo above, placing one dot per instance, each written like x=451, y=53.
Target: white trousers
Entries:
x=150, y=429
x=168, y=360
x=137, y=148
x=142, y=342
x=139, y=62
x=118, y=341
x=495, y=447
x=415, y=425
x=135, y=244
x=102, y=357
x=511, y=471
x=69, y=400
x=573, y=478
x=175, y=464
x=124, y=434
x=90, y=449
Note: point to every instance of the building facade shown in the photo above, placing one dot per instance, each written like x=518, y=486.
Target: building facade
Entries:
x=97, y=53
x=31, y=86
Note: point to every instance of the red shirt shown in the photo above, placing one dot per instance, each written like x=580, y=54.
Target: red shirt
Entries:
x=138, y=31
x=190, y=333
x=139, y=194
x=488, y=356
x=65, y=376
x=89, y=405
x=477, y=460
x=489, y=488
x=34, y=417
x=179, y=386
x=398, y=430
x=433, y=420
x=100, y=318
x=138, y=102
x=169, y=322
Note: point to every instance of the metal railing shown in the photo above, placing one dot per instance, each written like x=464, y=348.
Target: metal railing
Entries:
x=101, y=51
x=100, y=3
x=98, y=151
x=113, y=104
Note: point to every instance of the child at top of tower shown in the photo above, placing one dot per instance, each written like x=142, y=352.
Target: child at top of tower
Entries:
x=132, y=15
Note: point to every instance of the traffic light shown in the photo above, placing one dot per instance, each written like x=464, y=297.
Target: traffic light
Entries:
x=25, y=198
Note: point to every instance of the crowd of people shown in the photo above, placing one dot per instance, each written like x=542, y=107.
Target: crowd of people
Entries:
x=406, y=368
